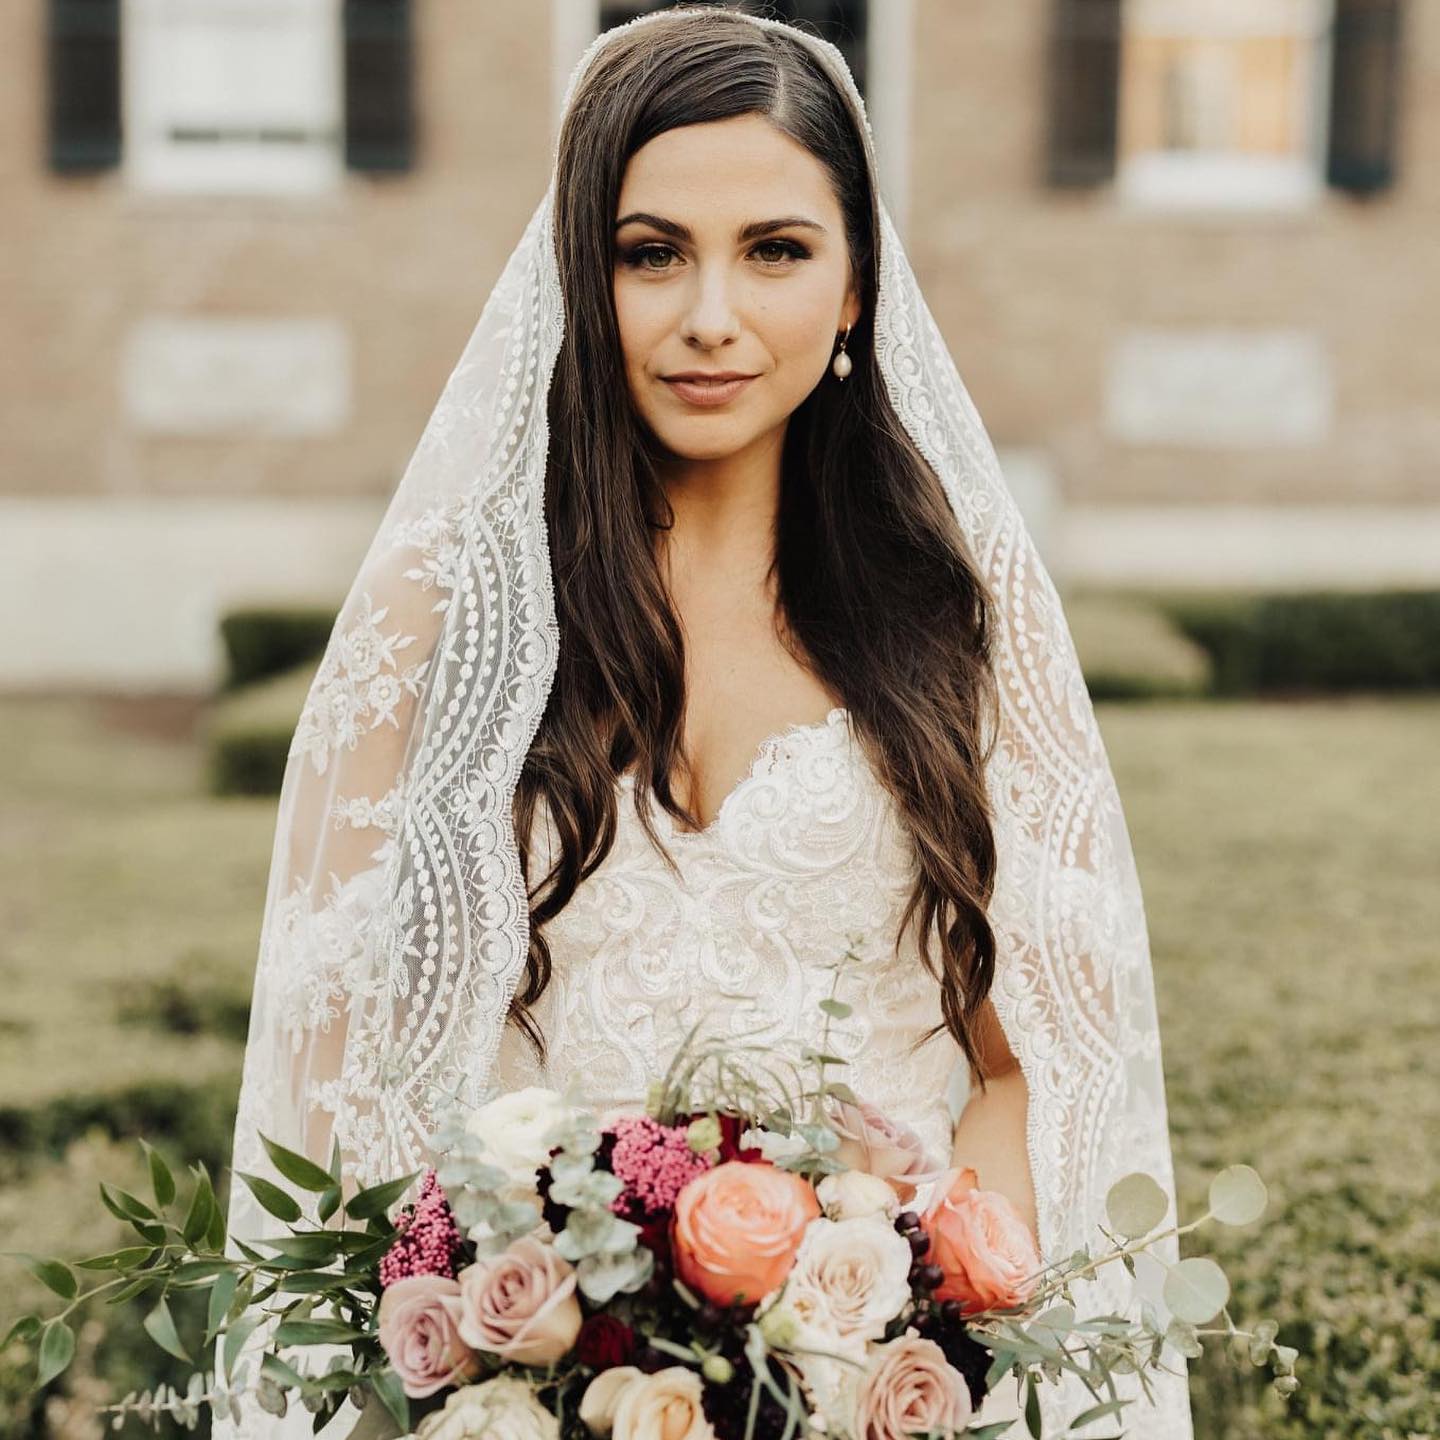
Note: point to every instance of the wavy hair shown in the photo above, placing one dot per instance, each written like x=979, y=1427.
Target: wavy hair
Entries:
x=876, y=591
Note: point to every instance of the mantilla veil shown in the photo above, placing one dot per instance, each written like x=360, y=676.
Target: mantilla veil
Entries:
x=396, y=923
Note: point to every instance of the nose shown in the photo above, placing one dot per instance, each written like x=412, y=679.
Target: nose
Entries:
x=710, y=318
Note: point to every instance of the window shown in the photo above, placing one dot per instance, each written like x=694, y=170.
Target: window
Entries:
x=232, y=95
x=1223, y=102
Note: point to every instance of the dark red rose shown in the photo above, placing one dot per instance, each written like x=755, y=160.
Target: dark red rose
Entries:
x=731, y=1127
x=604, y=1342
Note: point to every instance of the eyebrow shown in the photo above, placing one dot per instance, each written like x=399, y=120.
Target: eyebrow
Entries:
x=753, y=231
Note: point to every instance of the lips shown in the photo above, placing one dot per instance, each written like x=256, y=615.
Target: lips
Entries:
x=708, y=390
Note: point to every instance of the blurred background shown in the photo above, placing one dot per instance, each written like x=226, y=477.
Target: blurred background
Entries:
x=1184, y=253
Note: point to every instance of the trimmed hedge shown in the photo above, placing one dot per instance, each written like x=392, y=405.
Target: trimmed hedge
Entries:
x=1130, y=650
x=1317, y=642
x=262, y=641
x=249, y=734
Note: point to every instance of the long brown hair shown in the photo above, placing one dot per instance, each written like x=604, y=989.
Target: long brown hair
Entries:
x=875, y=587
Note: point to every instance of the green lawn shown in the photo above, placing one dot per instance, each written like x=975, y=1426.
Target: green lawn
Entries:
x=1289, y=857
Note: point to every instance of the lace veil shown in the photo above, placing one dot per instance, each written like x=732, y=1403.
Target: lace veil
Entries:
x=396, y=921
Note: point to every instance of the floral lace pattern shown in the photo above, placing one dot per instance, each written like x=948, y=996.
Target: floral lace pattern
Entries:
x=805, y=857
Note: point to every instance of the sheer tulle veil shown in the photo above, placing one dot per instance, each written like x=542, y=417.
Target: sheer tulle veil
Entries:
x=396, y=923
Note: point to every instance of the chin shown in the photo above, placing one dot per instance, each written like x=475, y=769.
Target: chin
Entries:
x=705, y=442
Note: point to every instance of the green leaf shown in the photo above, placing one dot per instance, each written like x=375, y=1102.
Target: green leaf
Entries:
x=272, y=1198
x=1238, y=1196
x=1032, y=1407
x=386, y=1384
x=377, y=1200
x=162, y=1182
x=1098, y=1412
x=837, y=1009
x=26, y=1328
x=50, y=1273
x=202, y=1207
x=1196, y=1290
x=280, y=1372
x=987, y=1432
x=1182, y=1337
x=138, y=1286
x=296, y=1168
x=124, y=1206
x=1135, y=1205
x=335, y=1161
x=123, y=1259
x=160, y=1327
x=235, y=1337
x=222, y=1292
x=328, y=1203
x=310, y=1282
x=316, y=1332
x=57, y=1349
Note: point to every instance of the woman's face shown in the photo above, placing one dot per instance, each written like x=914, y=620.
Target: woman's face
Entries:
x=730, y=259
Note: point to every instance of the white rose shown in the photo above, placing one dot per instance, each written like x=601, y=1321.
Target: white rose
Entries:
x=773, y=1146
x=500, y=1409
x=854, y=1194
x=602, y=1395
x=849, y=1280
x=663, y=1406
x=513, y=1128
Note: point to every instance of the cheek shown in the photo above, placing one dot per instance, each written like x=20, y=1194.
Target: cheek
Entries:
x=644, y=318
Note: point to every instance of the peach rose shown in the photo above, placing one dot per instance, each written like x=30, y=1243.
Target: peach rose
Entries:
x=520, y=1304
x=872, y=1142
x=662, y=1406
x=418, y=1334
x=911, y=1389
x=736, y=1229
x=979, y=1240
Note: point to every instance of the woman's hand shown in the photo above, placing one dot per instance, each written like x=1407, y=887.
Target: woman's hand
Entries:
x=991, y=1133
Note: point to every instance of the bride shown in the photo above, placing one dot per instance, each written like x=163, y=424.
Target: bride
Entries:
x=701, y=645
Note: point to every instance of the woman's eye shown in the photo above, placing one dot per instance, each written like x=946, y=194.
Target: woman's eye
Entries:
x=781, y=251
x=639, y=258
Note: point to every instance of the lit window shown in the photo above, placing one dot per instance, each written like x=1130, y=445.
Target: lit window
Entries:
x=1223, y=102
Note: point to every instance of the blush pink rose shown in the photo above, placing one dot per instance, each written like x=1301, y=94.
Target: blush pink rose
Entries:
x=872, y=1142
x=980, y=1241
x=911, y=1389
x=520, y=1304
x=737, y=1227
x=419, y=1335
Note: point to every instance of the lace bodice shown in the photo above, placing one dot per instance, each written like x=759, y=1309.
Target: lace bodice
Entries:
x=805, y=856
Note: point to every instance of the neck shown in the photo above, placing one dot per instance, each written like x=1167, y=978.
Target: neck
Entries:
x=725, y=509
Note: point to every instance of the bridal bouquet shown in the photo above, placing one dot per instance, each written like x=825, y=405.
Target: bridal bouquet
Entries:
x=754, y=1256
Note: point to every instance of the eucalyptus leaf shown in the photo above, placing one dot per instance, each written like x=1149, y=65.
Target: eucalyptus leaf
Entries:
x=316, y=1332
x=57, y=1349
x=125, y=1258
x=1098, y=1412
x=26, y=1328
x=222, y=1292
x=1135, y=1205
x=202, y=1206
x=1032, y=1407
x=236, y=1334
x=1196, y=1290
x=52, y=1274
x=1181, y=1335
x=162, y=1182
x=386, y=1384
x=1238, y=1196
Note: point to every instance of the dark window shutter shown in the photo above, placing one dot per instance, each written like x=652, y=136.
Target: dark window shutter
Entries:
x=1364, y=81
x=379, y=85
x=1084, y=78
x=83, y=58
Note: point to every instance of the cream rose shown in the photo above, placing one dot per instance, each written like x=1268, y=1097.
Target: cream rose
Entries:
x=513, y=1128
x=850, y=1279
x=602, y=1395
x=520, y=1304
x=911, y=1388
x=662, y=1406
x=853, y=1194
x=500, y=1409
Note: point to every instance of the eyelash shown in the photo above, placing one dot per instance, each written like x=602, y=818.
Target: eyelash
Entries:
x=634, y=258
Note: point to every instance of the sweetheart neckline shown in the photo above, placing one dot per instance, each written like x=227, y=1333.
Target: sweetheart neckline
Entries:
x=763, y=750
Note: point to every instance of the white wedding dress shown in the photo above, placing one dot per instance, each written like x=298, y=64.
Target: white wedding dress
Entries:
x=805, y=858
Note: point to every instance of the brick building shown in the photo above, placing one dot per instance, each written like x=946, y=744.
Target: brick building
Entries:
x=1183, y=252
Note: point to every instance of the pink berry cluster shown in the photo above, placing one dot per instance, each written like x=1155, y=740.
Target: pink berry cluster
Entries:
x=427, y=1239
x=654, y=1161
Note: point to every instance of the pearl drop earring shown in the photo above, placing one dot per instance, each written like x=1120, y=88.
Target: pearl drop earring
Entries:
x=842, y=364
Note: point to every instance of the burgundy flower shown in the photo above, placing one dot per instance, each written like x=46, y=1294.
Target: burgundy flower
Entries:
x=731, y=1128
x=427, y=1239
x=604, y=1341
